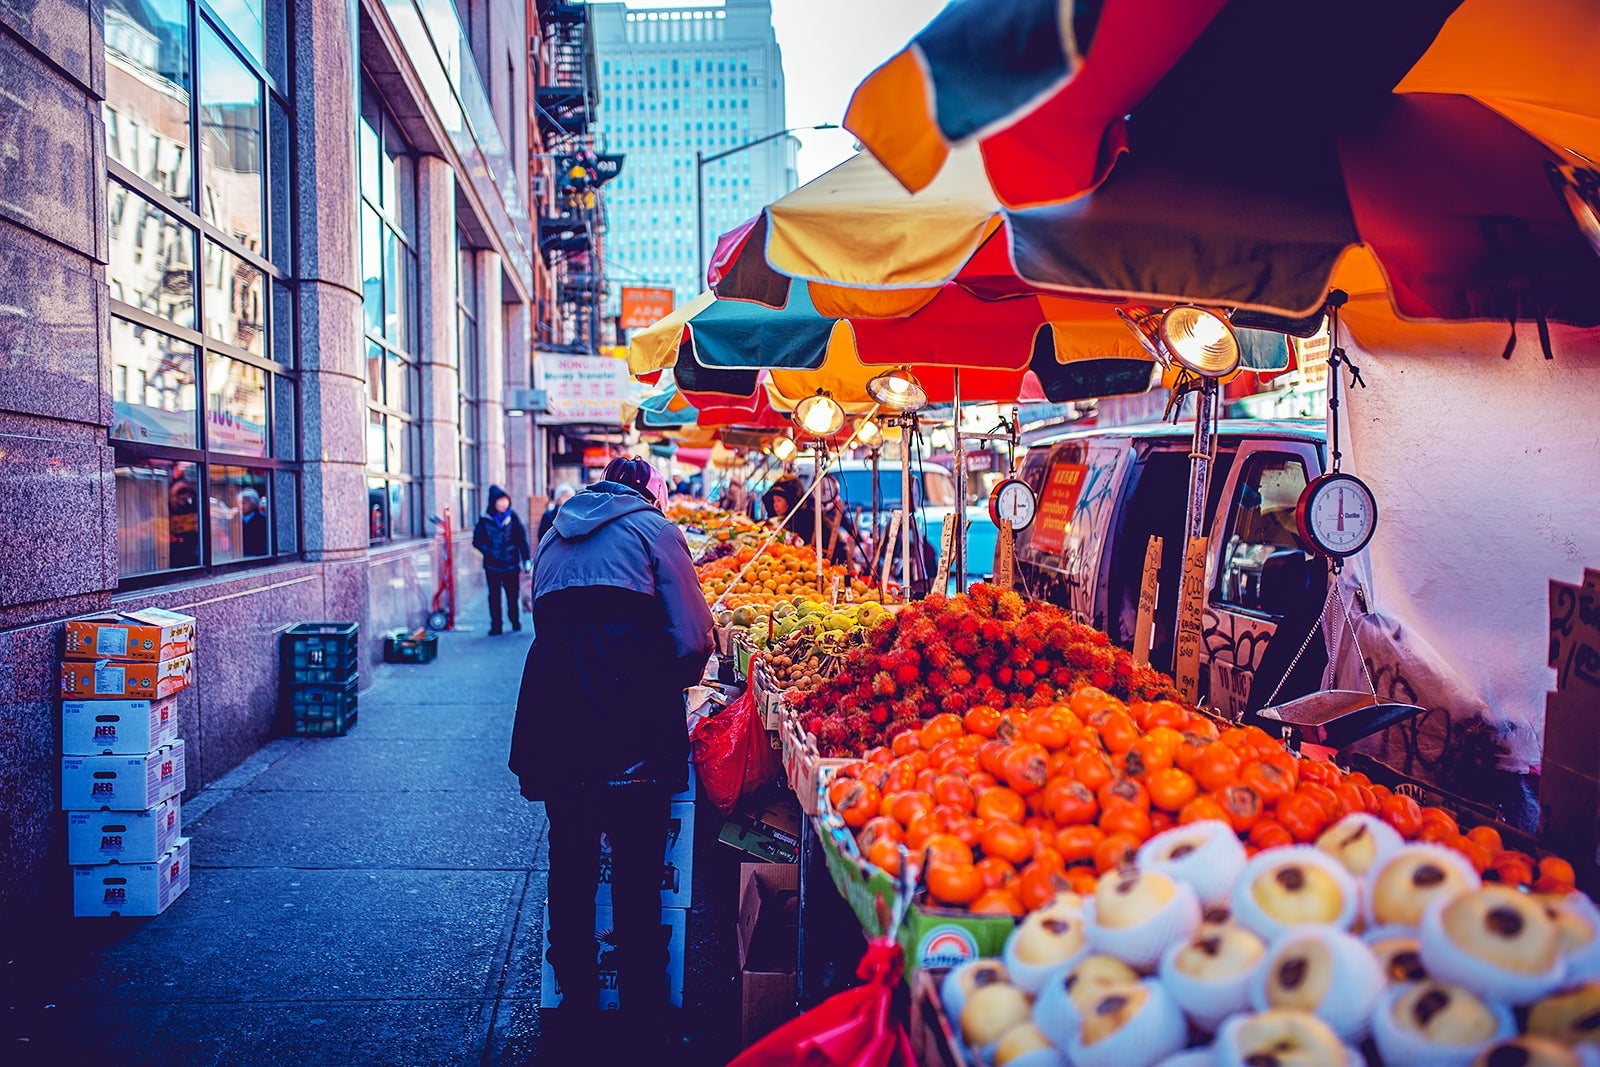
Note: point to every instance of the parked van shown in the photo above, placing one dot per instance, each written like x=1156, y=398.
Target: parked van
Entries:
x=1104, y=492
x=933, y=494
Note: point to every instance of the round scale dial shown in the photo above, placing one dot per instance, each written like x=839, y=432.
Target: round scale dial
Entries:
x=1337, y=515
x=1012, y=501
x=828, y=491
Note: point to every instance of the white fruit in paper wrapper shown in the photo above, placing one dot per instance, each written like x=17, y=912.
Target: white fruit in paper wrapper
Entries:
x=990, y=1011
x=1129, y=1026
x=1533, y=1051
x=1294, y=886
x=1209, y=999
x=1405, y=880
x=1025, y=1046
x=1135, y=915
x=1193, y=1057
x=1058, y=1009
x=1578, y=921
x=1292, y=1038
x=1357, y=841
x=1207, y=855
x=962, y=979
x=1330, y=974
x=1571, y=1014
x=1495, y=942
x=1045, y=945
x=1398, y=950
x=1401, y=1041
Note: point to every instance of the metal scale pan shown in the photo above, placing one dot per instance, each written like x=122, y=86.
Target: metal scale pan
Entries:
x=1333, y=718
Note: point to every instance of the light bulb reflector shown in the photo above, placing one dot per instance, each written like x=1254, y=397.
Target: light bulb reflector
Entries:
x=898, y=390
x=1200, y=341
x=819, y=415
x=783, y=448
x=869, y=434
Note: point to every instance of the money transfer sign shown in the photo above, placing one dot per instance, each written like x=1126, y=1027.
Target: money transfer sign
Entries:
x=581, y=388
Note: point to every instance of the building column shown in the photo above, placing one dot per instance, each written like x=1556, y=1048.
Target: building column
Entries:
x=522, y=475
x=492, y=325
x=333, y=368
x=436, y=292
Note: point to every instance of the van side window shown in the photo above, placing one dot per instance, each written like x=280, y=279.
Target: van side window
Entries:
x=1261, y=537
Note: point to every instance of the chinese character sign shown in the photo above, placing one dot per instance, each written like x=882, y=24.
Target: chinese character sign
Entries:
x=581, y=388
x=643, y=307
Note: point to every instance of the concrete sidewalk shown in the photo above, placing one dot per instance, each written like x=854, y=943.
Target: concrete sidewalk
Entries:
x=376, y=898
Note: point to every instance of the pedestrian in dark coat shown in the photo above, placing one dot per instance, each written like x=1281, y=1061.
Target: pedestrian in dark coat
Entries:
x=503, y=540
x=621, y=630
x=562, y=494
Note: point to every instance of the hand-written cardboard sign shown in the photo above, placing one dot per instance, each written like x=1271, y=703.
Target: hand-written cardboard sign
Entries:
x=1057, y=503
x=947, y=548
x=1005, y=556
x=889, y=543
x=1574, y=626
x=1148, y=594
x=1191, y=607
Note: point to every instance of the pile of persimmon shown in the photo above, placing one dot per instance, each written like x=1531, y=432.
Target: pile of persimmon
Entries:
x=1003, y=809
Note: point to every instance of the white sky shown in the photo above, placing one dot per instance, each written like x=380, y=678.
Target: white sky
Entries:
x=828, y=47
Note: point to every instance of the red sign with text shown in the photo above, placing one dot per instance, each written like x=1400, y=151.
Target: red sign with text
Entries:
x=1056, y=505
x=644, y=307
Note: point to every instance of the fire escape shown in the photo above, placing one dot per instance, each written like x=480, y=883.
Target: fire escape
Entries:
x=572, y=217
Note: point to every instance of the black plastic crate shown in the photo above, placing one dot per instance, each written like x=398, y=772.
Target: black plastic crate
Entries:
x=403, y=647
x=321, y=653
x=318, y=710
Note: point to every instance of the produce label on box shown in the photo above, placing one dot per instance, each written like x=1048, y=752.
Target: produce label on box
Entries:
x=129, y=889
x=105, y=678
x=149, y=635
x=130, y=727
x=123, y=836
x=122, y=783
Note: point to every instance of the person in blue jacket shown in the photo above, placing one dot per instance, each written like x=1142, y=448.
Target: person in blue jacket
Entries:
x=503, y=540
x=620, y=631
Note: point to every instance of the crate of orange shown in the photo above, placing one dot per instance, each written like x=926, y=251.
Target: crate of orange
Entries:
x=934, y=934
x=802, y=763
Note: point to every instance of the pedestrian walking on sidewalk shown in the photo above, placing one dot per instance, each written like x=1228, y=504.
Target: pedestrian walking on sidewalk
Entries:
x=621, y=630
x=503, y=540
x=562, y=494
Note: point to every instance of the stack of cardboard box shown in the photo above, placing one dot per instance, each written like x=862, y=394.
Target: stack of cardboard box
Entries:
x=677, y=871
x=122, y=770
x=1569, y=781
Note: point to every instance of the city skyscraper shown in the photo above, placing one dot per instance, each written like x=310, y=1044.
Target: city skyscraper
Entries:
x=674, y=82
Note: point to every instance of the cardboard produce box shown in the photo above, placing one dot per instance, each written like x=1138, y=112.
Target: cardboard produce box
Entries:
x=674, y=929
x=122, y=783
x=149, y=635
x=677, y=868
x=106, y=678
x=125, y=727
x=933, y=1035
x=1569, y=785
x=768, y=830
x=129, y=889
x=769, y=932
x=123, y=836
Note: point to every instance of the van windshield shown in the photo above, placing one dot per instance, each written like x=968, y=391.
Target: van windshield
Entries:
x=937, y=488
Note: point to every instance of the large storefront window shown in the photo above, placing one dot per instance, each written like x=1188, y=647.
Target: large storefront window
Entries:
x=389, y=288
x=470, y=361
x=199, y=198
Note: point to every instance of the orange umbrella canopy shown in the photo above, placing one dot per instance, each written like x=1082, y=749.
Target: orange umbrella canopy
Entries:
x=1234, y=152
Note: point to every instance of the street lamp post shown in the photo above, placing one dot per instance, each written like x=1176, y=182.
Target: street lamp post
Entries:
x=700, y=161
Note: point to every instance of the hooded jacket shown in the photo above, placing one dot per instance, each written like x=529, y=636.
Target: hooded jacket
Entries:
x=621, y=629
x=501, y=538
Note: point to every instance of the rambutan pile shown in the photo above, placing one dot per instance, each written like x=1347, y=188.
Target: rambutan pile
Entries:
x=947, y=654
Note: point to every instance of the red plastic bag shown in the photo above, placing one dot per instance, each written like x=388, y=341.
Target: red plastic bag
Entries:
x=856, y=1028
x=733, y=754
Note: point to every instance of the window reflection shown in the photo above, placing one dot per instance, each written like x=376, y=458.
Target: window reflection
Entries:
x=235, y=300
x=147, y=91
x=152, y=387
x=241, y=520
x=236, y=407
x=243, y=18
x=152, y=257
x=158, y=516
x=231, y=143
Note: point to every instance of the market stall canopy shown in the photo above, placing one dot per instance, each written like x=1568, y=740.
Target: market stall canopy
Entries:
x=1264, y=140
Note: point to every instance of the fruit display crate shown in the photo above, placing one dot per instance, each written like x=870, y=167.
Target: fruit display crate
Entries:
x=319, y=653
x=319, y=710
x=401, y=646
